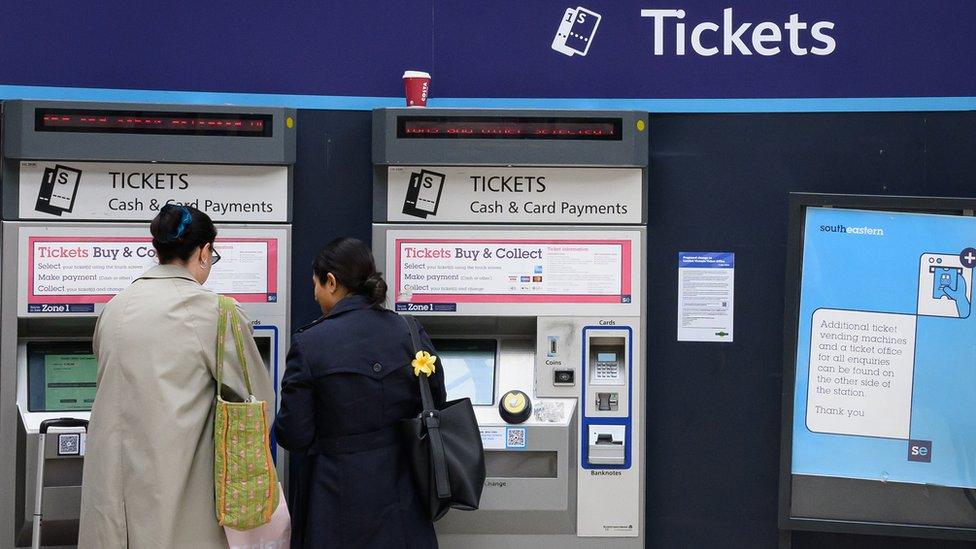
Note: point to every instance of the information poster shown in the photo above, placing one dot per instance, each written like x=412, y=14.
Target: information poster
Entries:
x=886, y=359
x=249, y=270
x=706, y=292
x=512, y=271
x=71, y=274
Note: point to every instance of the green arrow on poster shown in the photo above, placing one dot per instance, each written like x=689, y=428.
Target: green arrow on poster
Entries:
x=721, y=334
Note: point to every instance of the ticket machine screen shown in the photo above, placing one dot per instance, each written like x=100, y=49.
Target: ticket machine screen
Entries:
x=60, y=376
x=469, y=368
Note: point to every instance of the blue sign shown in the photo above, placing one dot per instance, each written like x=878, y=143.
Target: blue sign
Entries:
x=885, y=377
x=706, y=260
x=691, y=55
x=425, y=307
x=61, y=308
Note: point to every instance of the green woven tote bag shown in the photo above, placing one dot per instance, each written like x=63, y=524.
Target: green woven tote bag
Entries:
x=245, y=480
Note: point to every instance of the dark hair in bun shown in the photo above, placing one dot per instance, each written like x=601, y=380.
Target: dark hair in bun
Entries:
x=178, y=230
x=352, y=265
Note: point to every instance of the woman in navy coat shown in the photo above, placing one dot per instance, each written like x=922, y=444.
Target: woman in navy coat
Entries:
x=347, y=384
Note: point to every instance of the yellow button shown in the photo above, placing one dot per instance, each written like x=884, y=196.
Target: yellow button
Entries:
x=640, y=125
x=289, y=122
x=514, y=402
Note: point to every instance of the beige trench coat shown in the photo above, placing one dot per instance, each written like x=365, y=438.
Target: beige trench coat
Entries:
x=148, y=478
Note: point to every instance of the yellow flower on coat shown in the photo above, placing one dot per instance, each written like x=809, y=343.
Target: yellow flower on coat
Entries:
x=424, y=362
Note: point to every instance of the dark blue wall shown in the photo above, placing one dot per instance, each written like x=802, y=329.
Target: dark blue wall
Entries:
x=721, y=182
x=333, y=193
x=718, y=182
x=482, y=49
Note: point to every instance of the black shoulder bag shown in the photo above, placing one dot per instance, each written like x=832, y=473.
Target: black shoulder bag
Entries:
x=444, y=449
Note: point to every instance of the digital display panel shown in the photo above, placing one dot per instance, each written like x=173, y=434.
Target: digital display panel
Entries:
x=469, y=368
x=146, y=122
x=60, y=376
x=885, y=362
x=518, y=128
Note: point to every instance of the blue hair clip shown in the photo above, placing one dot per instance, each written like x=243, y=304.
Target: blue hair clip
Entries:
x=185, y=220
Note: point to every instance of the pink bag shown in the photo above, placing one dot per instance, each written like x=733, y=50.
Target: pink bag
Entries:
x=276, y=534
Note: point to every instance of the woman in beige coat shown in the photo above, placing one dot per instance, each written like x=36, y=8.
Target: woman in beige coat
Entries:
x=149, y=475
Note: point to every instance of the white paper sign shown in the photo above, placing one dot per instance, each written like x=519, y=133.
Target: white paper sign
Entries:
x=243, y=268
x=706, y=292
x=513, y=195
x=860, y=382
x=135, y=192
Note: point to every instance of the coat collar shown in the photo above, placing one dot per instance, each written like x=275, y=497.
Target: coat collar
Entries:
x=167, y=271
x=352, y=302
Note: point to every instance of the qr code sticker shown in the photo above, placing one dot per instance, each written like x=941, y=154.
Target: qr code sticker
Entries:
x=69, y=444
x=515, y=438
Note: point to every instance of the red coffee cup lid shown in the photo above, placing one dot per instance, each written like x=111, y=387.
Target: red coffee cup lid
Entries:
x=416, y=74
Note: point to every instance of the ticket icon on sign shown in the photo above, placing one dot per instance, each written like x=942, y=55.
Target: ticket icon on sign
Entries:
x=576, y=31
x=423, y=193
x=59, y=187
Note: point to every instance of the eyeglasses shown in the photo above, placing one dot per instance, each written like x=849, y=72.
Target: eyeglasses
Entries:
x=216, y=256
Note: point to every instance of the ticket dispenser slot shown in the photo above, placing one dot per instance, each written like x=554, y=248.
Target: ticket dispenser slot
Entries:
x=607, y=393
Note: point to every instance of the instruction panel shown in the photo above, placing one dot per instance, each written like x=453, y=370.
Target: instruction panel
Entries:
x=72, y=273
x=501, y=270
x=886, y=362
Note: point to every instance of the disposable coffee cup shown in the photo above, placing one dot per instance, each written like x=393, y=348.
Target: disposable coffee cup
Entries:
x=416, y=84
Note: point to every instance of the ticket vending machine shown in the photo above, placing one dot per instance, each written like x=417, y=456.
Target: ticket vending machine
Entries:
x=517, y=238
x=80, y=183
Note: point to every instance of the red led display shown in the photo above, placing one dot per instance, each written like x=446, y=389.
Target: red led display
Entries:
x=582, y=129
x=92, y=121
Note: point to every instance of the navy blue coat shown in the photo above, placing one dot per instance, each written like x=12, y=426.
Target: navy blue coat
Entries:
x=347, y=384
